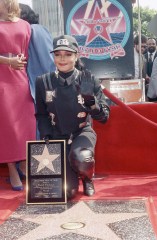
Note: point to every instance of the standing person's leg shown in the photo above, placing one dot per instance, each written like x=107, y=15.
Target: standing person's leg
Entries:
x=21, y=168
x=14, y=177
x=82, y=159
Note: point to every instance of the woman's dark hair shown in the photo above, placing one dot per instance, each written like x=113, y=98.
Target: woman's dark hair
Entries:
x=79, y=65
x=28, y=14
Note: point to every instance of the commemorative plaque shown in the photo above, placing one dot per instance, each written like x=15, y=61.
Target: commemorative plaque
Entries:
x=46, y=172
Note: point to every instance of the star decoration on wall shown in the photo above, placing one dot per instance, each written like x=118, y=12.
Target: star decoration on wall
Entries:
x=46, y=160
x=98, y=26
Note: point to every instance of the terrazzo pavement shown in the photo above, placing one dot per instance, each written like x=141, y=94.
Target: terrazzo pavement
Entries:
x=93, y=219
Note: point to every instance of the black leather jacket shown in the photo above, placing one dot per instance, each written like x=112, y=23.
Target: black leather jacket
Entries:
x=60, y=108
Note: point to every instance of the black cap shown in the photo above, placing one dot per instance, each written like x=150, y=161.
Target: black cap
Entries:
x=66, y=43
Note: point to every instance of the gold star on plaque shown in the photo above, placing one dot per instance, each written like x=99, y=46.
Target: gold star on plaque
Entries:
x=45, y=160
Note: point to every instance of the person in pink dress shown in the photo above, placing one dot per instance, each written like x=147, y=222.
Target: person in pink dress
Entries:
x=17, y=121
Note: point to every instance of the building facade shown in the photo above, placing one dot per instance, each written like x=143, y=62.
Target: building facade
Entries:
x=50, y=15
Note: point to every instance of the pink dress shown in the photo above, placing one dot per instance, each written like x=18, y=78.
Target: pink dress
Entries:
x=17, y=120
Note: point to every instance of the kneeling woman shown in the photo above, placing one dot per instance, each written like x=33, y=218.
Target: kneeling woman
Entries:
x=66, y=114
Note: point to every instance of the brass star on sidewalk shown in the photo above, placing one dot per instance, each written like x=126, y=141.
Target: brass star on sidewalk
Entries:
x=45, y=160
x=96, y=224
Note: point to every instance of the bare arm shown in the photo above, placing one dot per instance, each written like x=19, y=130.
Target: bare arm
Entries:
x=17, y=62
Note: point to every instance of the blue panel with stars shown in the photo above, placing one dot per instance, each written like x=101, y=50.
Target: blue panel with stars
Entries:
x=104, y=33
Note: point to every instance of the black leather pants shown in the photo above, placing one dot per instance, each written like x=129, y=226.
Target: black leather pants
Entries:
x=81, y=158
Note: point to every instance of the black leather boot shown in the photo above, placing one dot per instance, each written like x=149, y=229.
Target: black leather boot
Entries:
x=88, y=186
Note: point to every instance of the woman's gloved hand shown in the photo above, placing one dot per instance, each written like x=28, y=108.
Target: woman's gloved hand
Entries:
x=88, y=100
x=86, y=89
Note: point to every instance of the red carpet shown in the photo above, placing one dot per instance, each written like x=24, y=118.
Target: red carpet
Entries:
x=123, y=187
x=9, y=200
x=127, y=142
x=151, y=205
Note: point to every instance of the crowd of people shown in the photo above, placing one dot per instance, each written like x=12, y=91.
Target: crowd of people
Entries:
x=147, y=67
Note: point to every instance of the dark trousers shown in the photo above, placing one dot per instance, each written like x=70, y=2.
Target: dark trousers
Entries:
x=80, y=158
